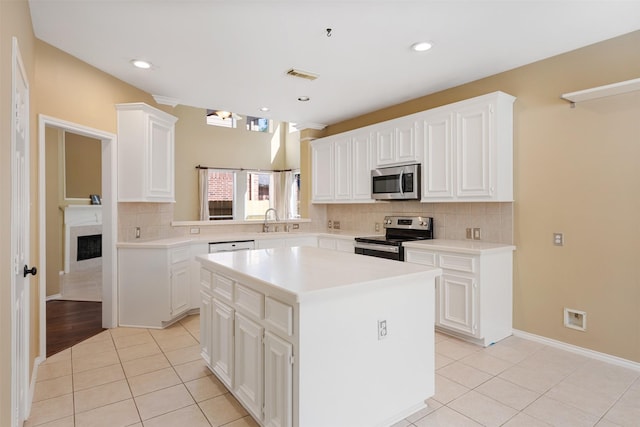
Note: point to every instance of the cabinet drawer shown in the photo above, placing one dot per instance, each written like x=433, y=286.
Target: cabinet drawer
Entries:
x=420, y=257
x=279, y=315
x=223, y=288
x=205, y=279
x=249, y=301
x=345, y=245
x=180, y=254
x=458, y=263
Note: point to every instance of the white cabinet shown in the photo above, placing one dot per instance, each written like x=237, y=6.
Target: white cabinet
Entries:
x=249, y=373
x=222, y=349
x=474, y=293
x=341, y=168
x=468, y=153
x=396, y=142
x=146, y=139
x=154, y=285
x=247, y=340
x=278, y=379
x=286, y=242
x=340, y=244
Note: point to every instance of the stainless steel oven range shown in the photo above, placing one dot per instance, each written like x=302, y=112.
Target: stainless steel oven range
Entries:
x=398, y=229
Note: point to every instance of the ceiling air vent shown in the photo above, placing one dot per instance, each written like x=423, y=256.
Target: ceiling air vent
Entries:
x=302, y=74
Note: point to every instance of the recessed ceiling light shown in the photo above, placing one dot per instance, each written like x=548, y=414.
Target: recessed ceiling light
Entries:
x=303, y=98
x=421, y=46
x=141, y=64
x=264, y=109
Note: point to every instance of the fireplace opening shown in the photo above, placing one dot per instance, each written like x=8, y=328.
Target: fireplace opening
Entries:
x=89, y=247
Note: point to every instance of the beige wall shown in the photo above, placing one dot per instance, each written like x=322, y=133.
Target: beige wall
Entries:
x=82, y=166
x=14, y=21
x=575, y=171
x=200, y=144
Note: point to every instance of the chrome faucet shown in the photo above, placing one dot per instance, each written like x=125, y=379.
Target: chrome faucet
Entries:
x=265, y=226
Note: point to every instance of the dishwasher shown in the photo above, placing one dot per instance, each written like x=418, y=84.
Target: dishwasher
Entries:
x=236, y=245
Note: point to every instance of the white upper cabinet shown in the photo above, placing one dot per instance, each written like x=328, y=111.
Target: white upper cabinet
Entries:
x=341, y=168
x=146, y=139
x=468, y=152
x=396, y=142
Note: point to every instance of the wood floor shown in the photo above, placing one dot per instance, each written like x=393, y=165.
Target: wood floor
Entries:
x=70, y=322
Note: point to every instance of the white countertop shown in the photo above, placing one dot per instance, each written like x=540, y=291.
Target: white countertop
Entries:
x=171, y=242
x=305, y=271
x=461, y=246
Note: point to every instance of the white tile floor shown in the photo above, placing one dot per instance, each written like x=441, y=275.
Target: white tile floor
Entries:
x=156, y=378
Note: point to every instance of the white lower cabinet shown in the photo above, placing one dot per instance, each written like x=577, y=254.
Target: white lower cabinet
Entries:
x=247, y=340
x=278, y=378
x=153, y=285
x=221, y=332
x=473, y=294
x=249, y=374
x=336, y=244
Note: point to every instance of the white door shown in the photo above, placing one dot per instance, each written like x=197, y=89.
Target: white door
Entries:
x=20, y=240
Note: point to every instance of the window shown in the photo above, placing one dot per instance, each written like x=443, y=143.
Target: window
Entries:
x=246, y=195
x=220, y=191
x=224, y=119
x=258, y=124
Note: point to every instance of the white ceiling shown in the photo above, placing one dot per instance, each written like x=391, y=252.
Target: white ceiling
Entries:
x=233, y=54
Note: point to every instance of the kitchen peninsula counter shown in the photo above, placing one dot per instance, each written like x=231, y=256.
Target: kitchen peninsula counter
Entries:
x=358, y=332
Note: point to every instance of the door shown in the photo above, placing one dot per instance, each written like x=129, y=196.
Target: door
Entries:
x=222, y=342
x=437, y=173
x=473, y=151
x=342, y=168
x=457, y=303
x=20, y=240
x=322, y=171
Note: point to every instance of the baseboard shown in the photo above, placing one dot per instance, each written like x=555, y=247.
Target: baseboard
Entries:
x=604, y=357
x=53, y=297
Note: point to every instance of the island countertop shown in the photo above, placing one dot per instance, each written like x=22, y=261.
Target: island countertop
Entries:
x=303, y=272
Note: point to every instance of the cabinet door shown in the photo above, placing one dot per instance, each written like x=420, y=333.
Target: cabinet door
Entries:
x=362, y=165
x=160, y=157
x=278, y=386
x=180, y=287
x=342, y=156
x=206, y=307
x=309, y=241
x=326, y=243
x=437, y=170
x=222, y=342
x=406, y=141
x=270, y=243
x=322, y=172
x=345, y=245
x=249, y=373
x=386, y=146
x=457, y=299
x=473, y=152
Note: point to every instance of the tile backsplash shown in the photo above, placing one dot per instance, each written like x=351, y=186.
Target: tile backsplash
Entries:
x=451, y=220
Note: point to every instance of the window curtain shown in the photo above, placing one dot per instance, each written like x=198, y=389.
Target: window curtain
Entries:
x=289, y=208
x=203, y=192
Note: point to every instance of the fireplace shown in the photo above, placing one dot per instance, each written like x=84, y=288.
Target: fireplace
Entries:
x=89, y=247
x=83, y=237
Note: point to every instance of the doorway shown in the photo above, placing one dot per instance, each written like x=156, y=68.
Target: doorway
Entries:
x=108, y=212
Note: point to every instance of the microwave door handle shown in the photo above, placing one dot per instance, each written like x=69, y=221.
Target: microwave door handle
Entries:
x=401, y=182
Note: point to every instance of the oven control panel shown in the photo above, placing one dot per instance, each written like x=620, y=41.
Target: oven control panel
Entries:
x=409, y=222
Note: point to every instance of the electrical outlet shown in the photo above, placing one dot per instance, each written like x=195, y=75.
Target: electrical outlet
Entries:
x=330, y=224
x=469, y=234
x=336, y=225
x=558, y=239
x=137, y=232
x=194, y=230
x=296, y=226
x=382, y=329
x=476, y=234
x=377, y=227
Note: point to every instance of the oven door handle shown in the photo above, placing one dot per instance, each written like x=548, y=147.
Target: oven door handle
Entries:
x=380, y=248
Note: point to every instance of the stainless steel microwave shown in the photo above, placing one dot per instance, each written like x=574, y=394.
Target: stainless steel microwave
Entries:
x=396, y=183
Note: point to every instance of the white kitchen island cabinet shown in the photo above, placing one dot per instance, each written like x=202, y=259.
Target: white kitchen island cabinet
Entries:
x=307, y=347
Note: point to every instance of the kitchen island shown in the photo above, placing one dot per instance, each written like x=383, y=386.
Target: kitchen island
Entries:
x=310, y=337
